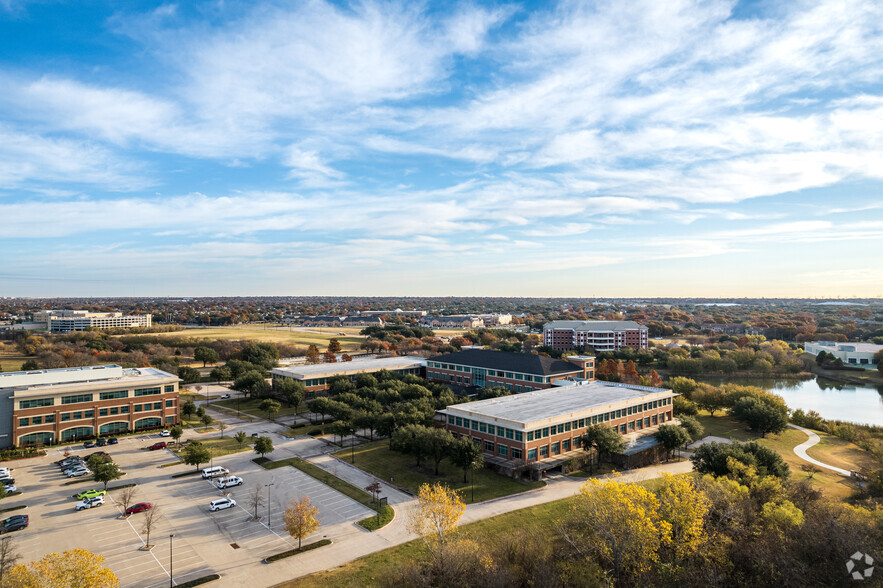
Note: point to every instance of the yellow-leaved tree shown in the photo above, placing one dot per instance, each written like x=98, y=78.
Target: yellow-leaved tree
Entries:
x=74, y=568
x=436, y=515
x=300, y=519
x=618, y=523
x=683, y=506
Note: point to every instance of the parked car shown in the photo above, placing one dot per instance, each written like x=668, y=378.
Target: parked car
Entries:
x=91, y=494
x=90, y=503
x=69, y=459
x=8, y=488
x=160, y=445
x=14, y=523
x=165, y=433
x=79, y=472
x=214, y=472
x=112, y=440
x=6, y=477
x=5, y=470
x=89, y=444
x=228, y=482
x=140, y=507
x=101, y=442
x=71, y=464
x=221, y=504
x=101, y=453
x=225, y=396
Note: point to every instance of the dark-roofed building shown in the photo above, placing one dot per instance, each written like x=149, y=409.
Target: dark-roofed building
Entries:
x=518, y=372
x=361, y=321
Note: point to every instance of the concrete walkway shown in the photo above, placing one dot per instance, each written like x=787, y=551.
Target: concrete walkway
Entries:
x=800, y=450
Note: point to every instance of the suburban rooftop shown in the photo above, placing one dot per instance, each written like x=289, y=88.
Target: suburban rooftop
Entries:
x=539, y=405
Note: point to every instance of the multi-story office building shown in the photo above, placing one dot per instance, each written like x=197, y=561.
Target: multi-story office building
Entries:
x=56, y=406
x=850, y=353
x=599, y=335
x=545, y=424
x=65, y=321
x=315, y=377
x=517, y=372
x=466, y=321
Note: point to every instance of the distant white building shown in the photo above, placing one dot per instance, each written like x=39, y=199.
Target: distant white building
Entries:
x=849, y=353
x=65, y=321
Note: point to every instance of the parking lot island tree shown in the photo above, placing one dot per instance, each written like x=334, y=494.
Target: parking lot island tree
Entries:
x=301, y=519
x=222, y=426
x=263, y=445
x=126, y=498
x=107, y=471
x=176, y=433
x=255, y=500
x=195, y=454
x=241, y=437
x=74, y=567
x=149, y=524
x=206, y=420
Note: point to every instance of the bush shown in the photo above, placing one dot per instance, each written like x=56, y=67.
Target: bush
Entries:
x=295, y=551
x=199, y=581
x=316, y=432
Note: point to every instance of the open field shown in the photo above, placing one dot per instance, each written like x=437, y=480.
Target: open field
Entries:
x=320, y=337
x=10, y=358
x=377, y=459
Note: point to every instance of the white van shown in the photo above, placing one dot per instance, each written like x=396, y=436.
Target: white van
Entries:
x=214, y=472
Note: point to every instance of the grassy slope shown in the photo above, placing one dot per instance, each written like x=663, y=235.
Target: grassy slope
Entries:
x=385, y=464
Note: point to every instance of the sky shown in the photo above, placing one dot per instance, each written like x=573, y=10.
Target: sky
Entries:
x=641, y=148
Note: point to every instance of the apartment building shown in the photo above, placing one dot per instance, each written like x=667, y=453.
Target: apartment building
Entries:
x=315, y=377
x=517, y=372
x=61, y=405
x=65, y=321
x=544, y=425
x=599, y=335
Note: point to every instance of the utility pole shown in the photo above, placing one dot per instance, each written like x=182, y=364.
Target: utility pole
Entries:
x=268, y=503
x=171, y=561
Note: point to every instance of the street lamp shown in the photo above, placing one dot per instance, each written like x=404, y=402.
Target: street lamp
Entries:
x=472, y=467
x=268, y=502
x=353, y=446
x=171, y=561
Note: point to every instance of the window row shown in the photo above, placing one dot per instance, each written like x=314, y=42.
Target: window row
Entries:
x=88, y=414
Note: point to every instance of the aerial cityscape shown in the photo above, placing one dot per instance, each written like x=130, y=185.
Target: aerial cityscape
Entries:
x=381, y=293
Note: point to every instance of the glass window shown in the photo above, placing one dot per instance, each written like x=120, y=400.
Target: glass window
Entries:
x=501, y=432
x=622, y=428
x=50, y=418
x=647, y=421
x=76, y=398
x=113, y=395
x=459, y=421
x=170, y=388
x=23, y=422
x=531, y=454
x=78, y=414
x=545, y=432
x=157, y=406
x=566, y=427
x=148, y=391
x=565, y=445
x=65, y=416
x=530, y=435
x=518, y=436
x=474, y=425
x=502, y=450
x=516, y=453
x=170, y=420
x=631, y=425
x=102, y=412
x=36, y=403
x=544, y=451
x=170, y=403
x=465, y=423
x=88, y=414
x=560, y=428
x=556, y=447
x=510, y=434
x=138, y=408
x=489, y=446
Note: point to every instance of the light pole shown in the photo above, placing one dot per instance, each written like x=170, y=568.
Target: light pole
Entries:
x=353, y=446
x=472, y=467
x=171, y=561
x=268, y=503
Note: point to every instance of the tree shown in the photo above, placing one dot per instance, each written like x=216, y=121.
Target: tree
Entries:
x=655, y=380
x=709, y=398
x=329, y=357
x=195, y=454
x=206, y=420
x=714, y=459
x=200, y=412
x=106, y=472
x=438, y=444
x=9, y=558
x=127, y=497
x=685, y=507
x=466, y=455
x=74, y=568
x=410, y=439
x=30, y=365
x=436, y=514
x=374, y=489
x=206, y=355
x=188, y=409
x=604, y=439
x=671, y=437
x=189, y=375
x=630, y=372
x=256, y=500
x=221, y=373
x=759, y=415
x=334, y=346
x=271, y=407
x=346, y=357
x=300, y=519
x=291, y=391
x=150, y=520
x=252, y=383
x=222, y=426
x=263, y=445
x=176, y=433
x=312, y=354
x=694, y=428
x=619, y=524
x=241, y=437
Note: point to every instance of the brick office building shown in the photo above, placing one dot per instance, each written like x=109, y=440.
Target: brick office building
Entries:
x=543, y=425
x=599, y=335
x=60, y=405
x=517, y=372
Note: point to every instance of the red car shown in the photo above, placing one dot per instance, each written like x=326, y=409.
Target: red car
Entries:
x=160, y=445
x=140, y=507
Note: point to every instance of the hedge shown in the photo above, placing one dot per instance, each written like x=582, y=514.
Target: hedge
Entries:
x=295, y=551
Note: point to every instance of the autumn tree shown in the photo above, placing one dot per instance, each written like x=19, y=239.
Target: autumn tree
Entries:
x=617, y=523
x=195, y=454
x=630, y=373
x=263, y=445
x=334, y=346
x=312, y=354
x=684, y=507
x=436, y=515
x=9, y=558
x=74, y=568
x=466, y=455
x=346, y=357
x=655, y=380
x=329, y=357
x=300, y=519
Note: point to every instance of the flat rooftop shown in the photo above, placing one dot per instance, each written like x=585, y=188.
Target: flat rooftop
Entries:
x=854, y=347
x=45, y=380
x=350, y=367
x=594, y=325
x=539, y=405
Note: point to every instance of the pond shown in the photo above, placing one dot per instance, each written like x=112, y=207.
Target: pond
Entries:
x=831, y=399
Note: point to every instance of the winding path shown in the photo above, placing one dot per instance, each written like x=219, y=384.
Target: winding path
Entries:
x=800, y=450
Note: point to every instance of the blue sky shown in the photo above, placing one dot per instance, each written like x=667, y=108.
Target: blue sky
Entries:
x=514, y=149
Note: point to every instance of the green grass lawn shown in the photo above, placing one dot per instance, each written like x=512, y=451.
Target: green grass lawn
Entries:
x=385, y=464
x=722, y=425
x=250, y=406
x=225, y=445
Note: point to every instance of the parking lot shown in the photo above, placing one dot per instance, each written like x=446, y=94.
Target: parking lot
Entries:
x=203, y=542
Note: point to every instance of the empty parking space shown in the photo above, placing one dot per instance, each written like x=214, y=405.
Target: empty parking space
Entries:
x=334, y=507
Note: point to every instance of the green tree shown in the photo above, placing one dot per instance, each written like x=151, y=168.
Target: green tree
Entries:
x=30, y=365
x=671, y=437
x=290, y=390
x=260, y=354
x=681, y=405
x=263, y=445
x=188, y=409
x=195, y=454
x=410, y=439
x=603, y=439
x=252, y=383
x=693, y=426
x=206, y=355
x=206, y=420
x=106, y=472
x=271, y=407
x=709, y=398
x=189, y=375
x=438, y=444
x=241, y=437
x=221, y=373
x=176, y=433
x=466, y=455
x=759, y=415
x=712, y=458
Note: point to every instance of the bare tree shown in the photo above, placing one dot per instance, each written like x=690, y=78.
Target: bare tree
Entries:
x=127, y=497
x=150, y=520
x=8, y=557
x=256, y=500
x=221, y=426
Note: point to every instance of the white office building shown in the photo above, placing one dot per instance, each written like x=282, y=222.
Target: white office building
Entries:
x=65, y=321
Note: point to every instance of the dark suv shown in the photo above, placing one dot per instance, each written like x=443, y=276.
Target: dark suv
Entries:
x=14, y=523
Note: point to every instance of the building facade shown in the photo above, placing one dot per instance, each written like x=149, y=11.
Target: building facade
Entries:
x=545, y=424
x=315, y=377
x=599, y=335
x=452, y=322
x=61, y=405
x=517, y=372
x=859, y=354
x=65, y=321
